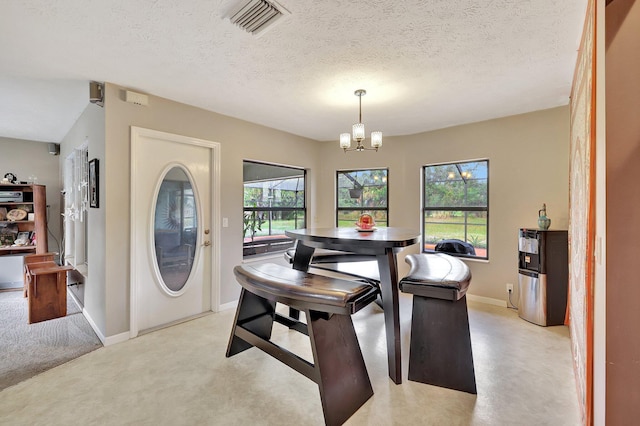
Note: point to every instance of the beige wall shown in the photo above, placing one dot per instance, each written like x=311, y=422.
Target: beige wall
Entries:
x=239, y=140
x=528, y=165
x=26, y=158
x=623, y=211
x=90, y=128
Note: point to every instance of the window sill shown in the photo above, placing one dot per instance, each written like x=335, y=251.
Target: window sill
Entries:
x=262, y=257
x=83, y=269
x=461, y=257
x=474, y=260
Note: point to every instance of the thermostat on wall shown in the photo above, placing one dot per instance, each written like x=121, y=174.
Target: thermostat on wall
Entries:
x=136, y=98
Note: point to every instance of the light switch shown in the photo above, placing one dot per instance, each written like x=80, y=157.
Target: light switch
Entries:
x=225, y=222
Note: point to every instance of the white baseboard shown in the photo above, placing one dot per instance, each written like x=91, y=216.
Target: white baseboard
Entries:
x=226, y=306
x=93, y=325
x=106, y=341
x=487, y=300
x=88, y=318
x=118, y=338
x=11, y=285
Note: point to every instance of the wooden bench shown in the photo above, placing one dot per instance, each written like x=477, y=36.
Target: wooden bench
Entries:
x=357, y=265
x=30, y=259
x=330, y=256
x=338, y=367
x=45, y=287
x=440, y=348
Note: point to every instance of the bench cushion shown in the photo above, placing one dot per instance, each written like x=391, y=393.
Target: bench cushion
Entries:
x=436, y=275
x=303, y=290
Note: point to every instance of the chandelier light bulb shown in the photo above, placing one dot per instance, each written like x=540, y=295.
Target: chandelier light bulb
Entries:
x=358, y=131
x=376, y=140
x=345, y=140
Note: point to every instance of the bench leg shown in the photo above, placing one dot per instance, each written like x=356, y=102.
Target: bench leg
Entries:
x=440, y=352
x=301, y=261
x=256, y=314
x=343, y=379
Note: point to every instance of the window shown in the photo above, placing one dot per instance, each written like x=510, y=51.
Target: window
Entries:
x=456, y=208
x=76, y=202
x=175, y=228
x=362, y=191
x=274, y=201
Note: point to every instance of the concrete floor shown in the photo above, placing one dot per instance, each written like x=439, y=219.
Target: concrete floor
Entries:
x=180, y=376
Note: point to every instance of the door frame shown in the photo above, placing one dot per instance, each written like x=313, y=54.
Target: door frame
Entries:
x=137, y=133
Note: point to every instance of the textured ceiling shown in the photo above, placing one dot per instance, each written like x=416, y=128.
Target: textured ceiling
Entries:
x=425, y=64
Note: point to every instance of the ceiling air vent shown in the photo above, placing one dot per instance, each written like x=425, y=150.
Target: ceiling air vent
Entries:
x=256, y=16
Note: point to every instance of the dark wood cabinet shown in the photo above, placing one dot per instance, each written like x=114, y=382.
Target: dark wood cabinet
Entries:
x=33, y=200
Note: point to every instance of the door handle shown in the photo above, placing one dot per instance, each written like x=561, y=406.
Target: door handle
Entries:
x=207, y=243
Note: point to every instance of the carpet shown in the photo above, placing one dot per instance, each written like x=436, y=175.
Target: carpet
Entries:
x=30, y=349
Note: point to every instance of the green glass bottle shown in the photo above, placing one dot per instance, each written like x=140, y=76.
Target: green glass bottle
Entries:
x=543, y=221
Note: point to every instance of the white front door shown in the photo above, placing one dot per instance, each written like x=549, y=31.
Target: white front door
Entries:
x=172, y=239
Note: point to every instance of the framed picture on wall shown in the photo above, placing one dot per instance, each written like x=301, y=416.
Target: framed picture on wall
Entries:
x=94, y=200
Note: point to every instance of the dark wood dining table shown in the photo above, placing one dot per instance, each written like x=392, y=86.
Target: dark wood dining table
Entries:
x=384, y=244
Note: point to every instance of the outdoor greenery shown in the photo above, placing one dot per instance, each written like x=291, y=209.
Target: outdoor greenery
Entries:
x=456, y=203
x=279, y=225
x=456, y=185
x=350, y=217
x=253, y=221
x=362, y=191
x=270, y=207
x=453, y=227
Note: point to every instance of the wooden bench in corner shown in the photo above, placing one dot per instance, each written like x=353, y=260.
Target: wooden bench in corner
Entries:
x=338, y=367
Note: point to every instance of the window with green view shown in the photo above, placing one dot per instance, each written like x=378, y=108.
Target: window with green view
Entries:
x=274, y=201
x=362, y=191
x=456, y=208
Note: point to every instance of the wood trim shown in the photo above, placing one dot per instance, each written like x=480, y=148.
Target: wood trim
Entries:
x=591, y=227
x=40, y=210
x=586, y=282
x=49, y=270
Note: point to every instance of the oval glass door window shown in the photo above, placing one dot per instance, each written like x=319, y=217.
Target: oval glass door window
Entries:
x=176, y=228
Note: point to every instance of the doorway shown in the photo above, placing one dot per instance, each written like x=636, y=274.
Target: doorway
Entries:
x=174, y=247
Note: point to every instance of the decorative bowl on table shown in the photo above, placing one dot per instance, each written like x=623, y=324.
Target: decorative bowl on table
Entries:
x=366, y=223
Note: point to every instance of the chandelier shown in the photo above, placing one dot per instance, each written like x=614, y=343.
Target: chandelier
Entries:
x=358, y=132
